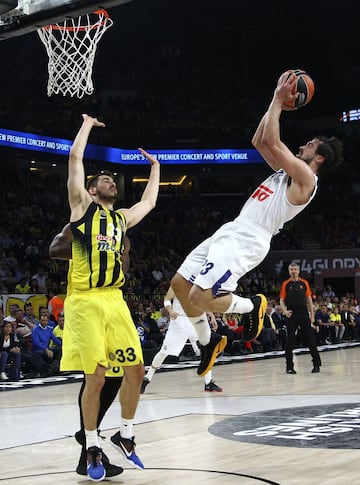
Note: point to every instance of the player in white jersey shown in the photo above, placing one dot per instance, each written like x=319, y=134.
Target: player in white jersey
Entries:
x=209, y=275
x=179, y=332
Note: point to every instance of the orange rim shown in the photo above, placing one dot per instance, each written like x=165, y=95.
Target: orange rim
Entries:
x=102, y=22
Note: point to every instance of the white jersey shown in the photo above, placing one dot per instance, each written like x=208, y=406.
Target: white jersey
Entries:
x=268, y=205
x=241, y=245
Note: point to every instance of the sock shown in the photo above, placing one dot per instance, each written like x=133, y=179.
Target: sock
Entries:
x=126, y=428
x=202, y=328
x=208, y=377
x=240, y=305
x=156, y=364
x=92, y=438
x=195, y=349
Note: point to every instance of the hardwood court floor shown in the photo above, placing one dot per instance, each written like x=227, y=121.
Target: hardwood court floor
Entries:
x=309, y=427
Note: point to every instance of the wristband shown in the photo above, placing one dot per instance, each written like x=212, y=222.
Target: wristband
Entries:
x=167, y=303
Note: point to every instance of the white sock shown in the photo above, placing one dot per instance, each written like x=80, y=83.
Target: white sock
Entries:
x=208, y=377
x=156, y=364
x=202, y=328
x=126, y=428
x=92, y=438
x=240, y=305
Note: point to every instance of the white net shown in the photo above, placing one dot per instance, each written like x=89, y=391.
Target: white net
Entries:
x=71, y=47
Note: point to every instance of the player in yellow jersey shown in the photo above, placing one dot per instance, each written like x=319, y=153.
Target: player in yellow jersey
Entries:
x=99, y=331
x=60, y=248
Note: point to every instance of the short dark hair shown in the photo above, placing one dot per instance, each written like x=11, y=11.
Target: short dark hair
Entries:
x=331, y=148
x=93, y=180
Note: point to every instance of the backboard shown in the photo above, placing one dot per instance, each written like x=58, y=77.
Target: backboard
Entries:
x=29, y=15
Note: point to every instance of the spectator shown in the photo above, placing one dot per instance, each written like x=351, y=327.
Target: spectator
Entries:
x=154, y=333
x=279, y=320
x=22, y=287
x=143, y=330
x=42, y=336
x=44, y=311
x=40, y=277
x=59, y=329
x=163, y=321
x=12, y=309
x=354, y=324
x=230, y=331
x=269, y=333
x=29, y=314
x=34, y=286
x=55, y=305
x=326, y=330
x=335, y=319
x=328, y=292
x=9, y=353
x=23, y=328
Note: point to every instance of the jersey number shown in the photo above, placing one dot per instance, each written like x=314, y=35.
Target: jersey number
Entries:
x=127, y=355
x=206, y=268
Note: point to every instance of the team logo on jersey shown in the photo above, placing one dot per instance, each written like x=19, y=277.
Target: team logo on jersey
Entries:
x=112, y=356
x=262, y=193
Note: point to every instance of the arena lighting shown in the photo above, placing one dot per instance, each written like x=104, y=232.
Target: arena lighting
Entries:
x=179, y=182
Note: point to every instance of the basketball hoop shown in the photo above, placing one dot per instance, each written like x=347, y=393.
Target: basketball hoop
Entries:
x=71, y=47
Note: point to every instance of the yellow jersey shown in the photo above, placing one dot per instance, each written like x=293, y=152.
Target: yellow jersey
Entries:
x=98, y=240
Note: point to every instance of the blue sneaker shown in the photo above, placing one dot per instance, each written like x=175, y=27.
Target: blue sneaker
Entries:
x=95, y=469
x=127, y=447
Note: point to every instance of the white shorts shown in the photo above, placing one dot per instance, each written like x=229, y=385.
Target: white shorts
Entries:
x=225, y=257
x=180, y=330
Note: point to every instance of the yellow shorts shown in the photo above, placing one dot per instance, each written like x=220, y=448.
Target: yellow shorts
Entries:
x=99, y=330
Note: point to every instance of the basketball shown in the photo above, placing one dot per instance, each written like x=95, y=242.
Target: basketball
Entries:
x=304, y=87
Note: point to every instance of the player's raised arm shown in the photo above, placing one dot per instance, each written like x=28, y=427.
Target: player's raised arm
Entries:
x=149, y=197
x=79, y=198
x=267, y=136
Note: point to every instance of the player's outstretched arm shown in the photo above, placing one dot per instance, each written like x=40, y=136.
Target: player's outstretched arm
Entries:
x=79, y=198
x=149, y=197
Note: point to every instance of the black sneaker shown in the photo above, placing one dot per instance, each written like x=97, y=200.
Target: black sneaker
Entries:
x=210, y=351
x=95, y=468
x=145, y=382
x=127, y=447
x=80, y=437
x=110, y=469
x=290, y=371
x=316, y=369
x=253, y=322
x=212, y=387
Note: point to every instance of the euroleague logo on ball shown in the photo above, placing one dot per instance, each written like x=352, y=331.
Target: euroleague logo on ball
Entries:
x=304, y=87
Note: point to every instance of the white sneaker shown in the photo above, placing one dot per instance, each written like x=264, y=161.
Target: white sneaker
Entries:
x=3, y=376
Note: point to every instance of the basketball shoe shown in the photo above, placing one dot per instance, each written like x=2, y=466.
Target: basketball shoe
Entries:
x=210, y=351
x=95, y=468
x=253, y=322
x=145, y=382
x=212, y=387
x=110, y=469
x=127, y=448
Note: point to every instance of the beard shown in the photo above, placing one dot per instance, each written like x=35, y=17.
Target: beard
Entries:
x=100, y=195
x=304, y=159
